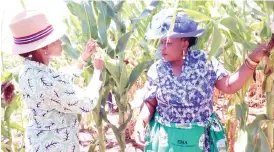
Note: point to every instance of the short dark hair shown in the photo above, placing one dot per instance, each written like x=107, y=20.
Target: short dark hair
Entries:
x=192, y=41
x=26, y=55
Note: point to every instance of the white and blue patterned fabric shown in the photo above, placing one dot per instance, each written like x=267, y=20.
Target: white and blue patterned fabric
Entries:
x=187, y=98
x=52, y=102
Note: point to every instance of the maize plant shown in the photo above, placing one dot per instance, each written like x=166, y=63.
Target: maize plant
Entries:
x=101, y=21
x=10, y=103
x=268, y=87
x=233, y=30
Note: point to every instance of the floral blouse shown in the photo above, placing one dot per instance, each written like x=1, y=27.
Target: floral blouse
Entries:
x=52, y=103
x=187, y=98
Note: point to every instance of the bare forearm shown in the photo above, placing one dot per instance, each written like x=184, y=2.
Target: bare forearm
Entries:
x=234, y=82
x=238, y=79
x=147, y=111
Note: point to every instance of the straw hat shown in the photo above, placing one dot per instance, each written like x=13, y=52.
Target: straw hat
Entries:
x=31, y=30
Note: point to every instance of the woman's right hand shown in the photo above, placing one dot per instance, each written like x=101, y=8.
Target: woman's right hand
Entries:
x=90, y=49
x=139, y=133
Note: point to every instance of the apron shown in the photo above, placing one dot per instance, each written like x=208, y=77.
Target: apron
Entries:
x=189, y=137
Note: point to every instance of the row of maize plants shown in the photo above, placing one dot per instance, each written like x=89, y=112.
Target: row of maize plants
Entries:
x=233, y=28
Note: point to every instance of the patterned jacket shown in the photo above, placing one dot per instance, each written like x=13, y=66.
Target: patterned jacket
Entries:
x=52, y=103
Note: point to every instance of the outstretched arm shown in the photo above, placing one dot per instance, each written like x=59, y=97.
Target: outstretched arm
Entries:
x=234, y=82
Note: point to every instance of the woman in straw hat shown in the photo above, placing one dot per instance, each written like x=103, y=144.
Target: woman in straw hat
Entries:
x=178, y=106
x=52, y=101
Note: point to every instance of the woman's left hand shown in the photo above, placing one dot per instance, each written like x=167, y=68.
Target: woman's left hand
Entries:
x=260, y=52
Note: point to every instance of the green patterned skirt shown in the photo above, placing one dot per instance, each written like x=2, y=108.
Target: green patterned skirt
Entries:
x=208, y=136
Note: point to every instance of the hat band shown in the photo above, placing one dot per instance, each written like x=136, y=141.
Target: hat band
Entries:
x=33, y=37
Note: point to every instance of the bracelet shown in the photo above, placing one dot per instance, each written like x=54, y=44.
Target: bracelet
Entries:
x=80, y=59
x=246, y=63
x=251, y=61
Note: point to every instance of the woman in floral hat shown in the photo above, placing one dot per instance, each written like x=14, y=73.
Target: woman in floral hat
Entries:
x=178, y=104
x=51, y=99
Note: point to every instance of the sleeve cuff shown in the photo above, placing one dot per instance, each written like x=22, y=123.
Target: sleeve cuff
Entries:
x=95, y=82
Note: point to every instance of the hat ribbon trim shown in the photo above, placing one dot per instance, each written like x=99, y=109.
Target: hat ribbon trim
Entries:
x=34, y=37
